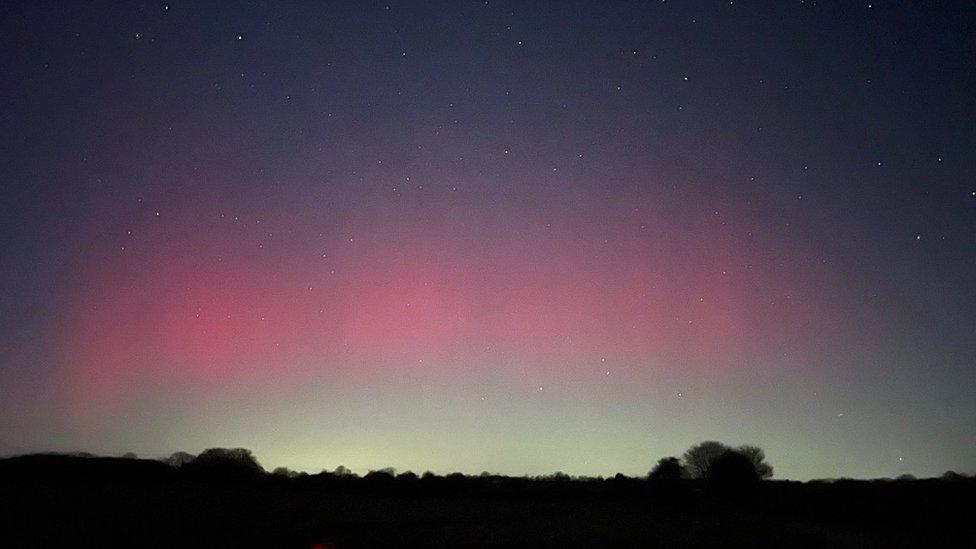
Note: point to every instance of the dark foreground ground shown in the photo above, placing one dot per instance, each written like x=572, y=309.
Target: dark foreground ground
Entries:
x=59, y=501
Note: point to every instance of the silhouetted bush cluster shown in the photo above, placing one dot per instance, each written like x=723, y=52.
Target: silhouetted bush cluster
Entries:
x=220, y=464
x=668, y=469
x=723, y=465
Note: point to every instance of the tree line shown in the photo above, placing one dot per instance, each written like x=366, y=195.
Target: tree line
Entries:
x=709, y=461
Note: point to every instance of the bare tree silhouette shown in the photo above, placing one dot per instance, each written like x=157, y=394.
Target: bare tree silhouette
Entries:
x=700, y=458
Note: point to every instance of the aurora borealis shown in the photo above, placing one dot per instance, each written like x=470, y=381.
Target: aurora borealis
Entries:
x=514, y=237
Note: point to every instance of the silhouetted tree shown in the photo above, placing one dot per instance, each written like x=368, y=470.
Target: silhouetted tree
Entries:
x=700, y=457
x=758, y=458
x=343, y=471
x=386, y=473
x=733, y=469
x=179, y=459
x=558, y=476
x=667, y=469
x=224, y=464
x=284, y=472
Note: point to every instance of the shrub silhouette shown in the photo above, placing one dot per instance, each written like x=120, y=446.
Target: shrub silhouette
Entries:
x=407, y=476
x=558, y=476
x=668, y=469
x=733, y=469
x=228, y=464
x=745, y=463
x=178, y=459
x=758, y=458
x=343, y=471
x=383, y=475
x=285, y=472
x=699, y=458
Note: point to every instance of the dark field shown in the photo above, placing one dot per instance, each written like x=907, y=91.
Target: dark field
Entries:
x=60, y=501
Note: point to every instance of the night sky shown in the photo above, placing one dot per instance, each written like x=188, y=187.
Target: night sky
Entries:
x=521, y=238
